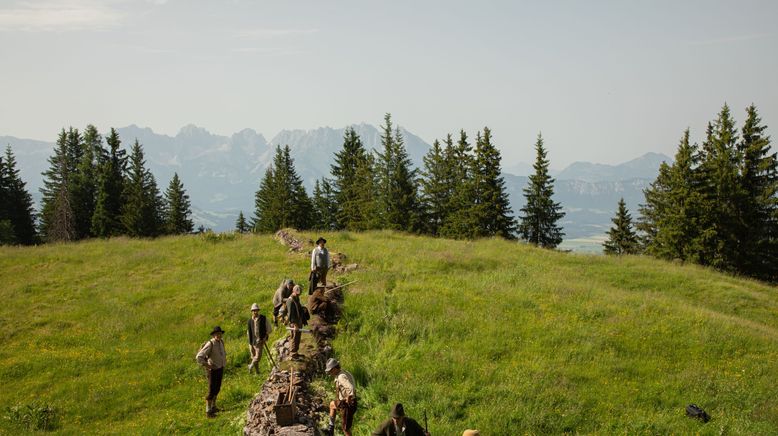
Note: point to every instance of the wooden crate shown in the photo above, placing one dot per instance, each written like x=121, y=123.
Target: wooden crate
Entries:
x=285, y=409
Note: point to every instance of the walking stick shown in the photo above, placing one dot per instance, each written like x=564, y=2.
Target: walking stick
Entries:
x=270, y=356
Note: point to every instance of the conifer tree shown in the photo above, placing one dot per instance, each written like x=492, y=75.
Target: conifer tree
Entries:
x=6, y=228
x=16, y=202
x=398, y=206
x=110, y=189
x=84, y=180
x=55, y=207
x=722, y=192
x=325, y=207
x=142, y=213
x=435, y=188
x=491, y=207
x=178, y=209
x=459, y=221
x=281, y=200
x=351, y=180
x=621, y=237
x=758, y=236
x=540, y=213
x=241, y=226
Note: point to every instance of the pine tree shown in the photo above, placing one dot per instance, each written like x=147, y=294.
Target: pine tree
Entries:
x=84, y=181
x=758, y=249
x=491, y=207
x=55, y=209
x=350, y=174
x=621, y=237
x=460, y=162
x=142, y=213
x=435, y=188
x=398, y=206
x=177, y=209
x=110, y=189
x=540, y=213
x=281, y=200
x=722, y=192
x=324, y=206
x=241, y=226
x=6, y=228
x=16, y=201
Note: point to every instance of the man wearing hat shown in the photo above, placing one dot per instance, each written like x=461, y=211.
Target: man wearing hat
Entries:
x=400, y=425
x=259, y=329
x=347, y=398
x=294, y=310
x=279, y=299
x=320, y=261
x=213, y=358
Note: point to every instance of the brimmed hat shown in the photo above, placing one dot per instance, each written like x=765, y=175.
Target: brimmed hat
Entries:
x=297, y=288
x=321, y=240
x=471, y=433
x=332, y=363
x=216, y=329
x=398, y=411
x=289, y=282
x=254, y=307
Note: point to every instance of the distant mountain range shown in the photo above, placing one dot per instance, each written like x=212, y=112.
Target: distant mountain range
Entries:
x=222, y=173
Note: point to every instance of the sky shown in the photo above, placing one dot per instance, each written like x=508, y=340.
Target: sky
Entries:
x=604, y=81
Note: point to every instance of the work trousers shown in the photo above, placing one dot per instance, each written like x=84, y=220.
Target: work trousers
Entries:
x=214, y=383
x=296, y=335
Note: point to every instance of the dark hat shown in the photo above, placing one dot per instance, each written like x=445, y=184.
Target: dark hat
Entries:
x=398, y=411
x=321, y=240
x=217, y=329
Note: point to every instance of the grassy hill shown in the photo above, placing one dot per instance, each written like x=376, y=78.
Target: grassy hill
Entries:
x=490, y=335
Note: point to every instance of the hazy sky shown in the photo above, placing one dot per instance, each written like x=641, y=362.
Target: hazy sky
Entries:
x=604, y=81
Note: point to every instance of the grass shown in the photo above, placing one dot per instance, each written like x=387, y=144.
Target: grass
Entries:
x=490, y=334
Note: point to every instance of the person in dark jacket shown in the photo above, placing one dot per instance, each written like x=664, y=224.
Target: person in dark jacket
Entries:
x=259, y=329
x=296, y=317
x=400, y=425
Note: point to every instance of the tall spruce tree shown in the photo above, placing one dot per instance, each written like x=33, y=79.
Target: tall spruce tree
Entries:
x=540, y=214
x=142, y=213
x=177, y=209
x=6, y=229
x=16, y=202
x=460, y=163
x=758, y=236
x=492, y=206
x=281, y=200
x=398, y=207
x=325, y=208
x=84, y=181
x=351, y=179
x=435, y=188
x=722, y=192
x=241, y=225
x=621, y=237
x=55, y=206
x=109, y=198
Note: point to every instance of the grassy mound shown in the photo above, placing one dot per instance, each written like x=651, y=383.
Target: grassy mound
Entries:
x=490, y=335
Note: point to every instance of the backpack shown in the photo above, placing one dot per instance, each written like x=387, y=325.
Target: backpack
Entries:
x=694, y=411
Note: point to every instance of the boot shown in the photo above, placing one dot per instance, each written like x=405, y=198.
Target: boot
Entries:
x=251, y=367
x=328, y=430
x=213, y=406
x=209, y=413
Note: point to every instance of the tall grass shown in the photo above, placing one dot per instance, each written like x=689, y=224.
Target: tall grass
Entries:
x=489, y=334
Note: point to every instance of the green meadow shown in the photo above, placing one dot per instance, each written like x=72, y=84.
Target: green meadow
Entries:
x=490, y=334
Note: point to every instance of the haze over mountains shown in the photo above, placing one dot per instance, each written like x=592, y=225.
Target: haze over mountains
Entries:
x=222, y=173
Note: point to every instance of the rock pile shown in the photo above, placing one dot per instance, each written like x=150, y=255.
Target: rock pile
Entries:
x=310, y=407
x=339, y=263
x=286, y=237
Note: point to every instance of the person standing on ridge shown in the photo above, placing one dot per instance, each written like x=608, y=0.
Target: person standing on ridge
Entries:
x=295, y=314
x=259, y=329
x=400, y=425
x=213, y=358
x=346, y=401
x=320, y=262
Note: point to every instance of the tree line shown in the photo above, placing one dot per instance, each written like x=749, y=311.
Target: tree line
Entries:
x=458, y=193
x=92, y=188
x=715, y=205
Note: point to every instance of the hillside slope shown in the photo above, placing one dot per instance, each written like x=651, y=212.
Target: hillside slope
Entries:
x=489, y=334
